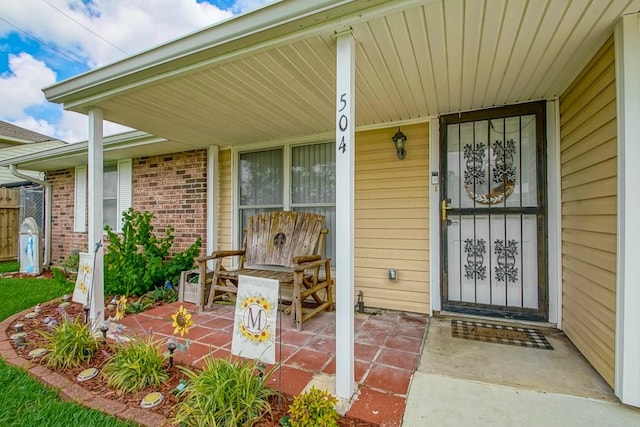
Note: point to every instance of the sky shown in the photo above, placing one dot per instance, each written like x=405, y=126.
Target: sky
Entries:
x=47, y=41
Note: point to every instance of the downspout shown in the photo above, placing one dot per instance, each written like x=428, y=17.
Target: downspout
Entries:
x=47, y=213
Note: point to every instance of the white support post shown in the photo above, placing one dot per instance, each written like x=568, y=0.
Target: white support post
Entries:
x=96, y=223
x=345, y=165
x=212, y=201
x=627, y=369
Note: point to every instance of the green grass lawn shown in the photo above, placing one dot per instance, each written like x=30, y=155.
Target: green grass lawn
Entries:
x=25, y=401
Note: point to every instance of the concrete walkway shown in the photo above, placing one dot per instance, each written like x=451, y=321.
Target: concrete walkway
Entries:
x=469, y=383
x=446, y=401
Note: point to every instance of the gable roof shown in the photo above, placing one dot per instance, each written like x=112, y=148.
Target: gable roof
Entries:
x=12, y=134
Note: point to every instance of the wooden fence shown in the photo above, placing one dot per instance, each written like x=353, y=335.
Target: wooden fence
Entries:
x=9, y=223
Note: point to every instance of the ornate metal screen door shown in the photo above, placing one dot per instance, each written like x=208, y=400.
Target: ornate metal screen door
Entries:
x=493, y=224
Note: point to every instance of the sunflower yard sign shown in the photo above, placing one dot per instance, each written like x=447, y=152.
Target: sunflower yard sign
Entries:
x=254, y=328
x=84, y=281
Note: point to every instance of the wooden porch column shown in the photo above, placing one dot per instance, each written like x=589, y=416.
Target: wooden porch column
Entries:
x=627, y=370
x=345, y=161
x=96, y=223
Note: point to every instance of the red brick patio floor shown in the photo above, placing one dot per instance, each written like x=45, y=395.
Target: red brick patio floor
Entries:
x=387, y=349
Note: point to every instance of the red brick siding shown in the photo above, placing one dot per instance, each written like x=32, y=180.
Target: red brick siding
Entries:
x=172, y=187
x=63, y=239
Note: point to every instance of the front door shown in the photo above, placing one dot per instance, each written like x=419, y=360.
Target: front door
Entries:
x=493, y=214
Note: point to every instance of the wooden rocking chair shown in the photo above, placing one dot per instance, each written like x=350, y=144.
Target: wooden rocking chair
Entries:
x=285, y=246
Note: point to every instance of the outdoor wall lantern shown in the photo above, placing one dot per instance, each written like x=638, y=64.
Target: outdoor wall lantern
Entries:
x=399, y=139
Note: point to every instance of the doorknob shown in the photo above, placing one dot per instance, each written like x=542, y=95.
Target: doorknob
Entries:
x=444, y=209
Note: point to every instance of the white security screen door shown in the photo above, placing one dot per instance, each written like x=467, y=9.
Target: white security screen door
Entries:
x=493, y=226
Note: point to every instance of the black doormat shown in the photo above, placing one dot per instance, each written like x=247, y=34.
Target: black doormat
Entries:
x=501, y=334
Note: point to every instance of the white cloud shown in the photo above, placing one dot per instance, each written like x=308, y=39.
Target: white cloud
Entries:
x=131, y=25
x=20, y=86
x=74, y=127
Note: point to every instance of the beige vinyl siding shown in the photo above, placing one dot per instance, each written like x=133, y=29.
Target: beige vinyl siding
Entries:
x=392, y=219
x=589, y=175
x=224, y=208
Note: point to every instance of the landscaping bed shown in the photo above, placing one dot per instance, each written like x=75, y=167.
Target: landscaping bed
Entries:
x=98, y=386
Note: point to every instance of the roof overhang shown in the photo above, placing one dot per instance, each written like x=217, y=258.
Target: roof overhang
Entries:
x=126, y=145
x=270, y=74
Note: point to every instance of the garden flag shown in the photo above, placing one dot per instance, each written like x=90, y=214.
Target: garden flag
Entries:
x=84, y=281
x=254, y=327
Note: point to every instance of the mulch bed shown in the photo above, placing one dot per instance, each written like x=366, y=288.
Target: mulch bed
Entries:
x=99, y=387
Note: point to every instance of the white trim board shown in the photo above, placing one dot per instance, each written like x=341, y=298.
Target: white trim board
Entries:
x=627, y=368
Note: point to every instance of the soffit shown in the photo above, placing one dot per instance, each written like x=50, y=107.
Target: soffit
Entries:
x=427, y=59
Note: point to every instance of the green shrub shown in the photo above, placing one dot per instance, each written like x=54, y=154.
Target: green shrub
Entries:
x=68, y=271
x=138, y=261
x=70, y=344
x=224, y=394
x=314, y=408
x=135, y=365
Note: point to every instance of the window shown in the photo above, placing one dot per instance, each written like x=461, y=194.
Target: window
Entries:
x=310, y=187
x=116, y=195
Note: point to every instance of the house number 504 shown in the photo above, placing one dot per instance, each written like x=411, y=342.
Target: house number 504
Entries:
x=343, y=122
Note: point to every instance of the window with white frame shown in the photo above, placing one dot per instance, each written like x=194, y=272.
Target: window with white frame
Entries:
x=310, y=184
x=116, y=197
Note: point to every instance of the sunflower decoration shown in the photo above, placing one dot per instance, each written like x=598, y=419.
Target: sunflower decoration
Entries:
x=121, y=307
x=255, y=336
x=85, y=271
x=256, y=300
x=181, y=321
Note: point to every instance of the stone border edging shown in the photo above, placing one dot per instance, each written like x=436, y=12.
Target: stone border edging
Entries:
x=70, y=391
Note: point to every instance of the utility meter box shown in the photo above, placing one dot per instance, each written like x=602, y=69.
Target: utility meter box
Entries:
x=30, y=259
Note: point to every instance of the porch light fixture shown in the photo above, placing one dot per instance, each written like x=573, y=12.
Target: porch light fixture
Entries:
x=399, y=139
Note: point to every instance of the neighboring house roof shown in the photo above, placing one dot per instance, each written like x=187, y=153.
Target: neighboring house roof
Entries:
x=270, y=74
x=8, y=153
x=14, y=135
x=131, y=144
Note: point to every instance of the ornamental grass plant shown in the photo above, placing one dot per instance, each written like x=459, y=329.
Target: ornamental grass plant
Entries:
x=135, y=365
x=225, y=393
x=69, y=344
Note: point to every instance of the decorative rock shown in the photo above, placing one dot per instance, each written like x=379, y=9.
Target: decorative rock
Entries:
x=64, y=304
x=18, y=335
x=31, y=315
x=47, y=319
x=151, y=400
x=87, y=374
x=37, y=352
x=19, y=327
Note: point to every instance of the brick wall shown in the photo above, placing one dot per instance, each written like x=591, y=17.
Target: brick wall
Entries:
x=172, y=187
x=63, y=238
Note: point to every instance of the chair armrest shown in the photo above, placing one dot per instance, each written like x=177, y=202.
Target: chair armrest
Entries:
x=305, y=258
x=312, y=264
x=221, y=254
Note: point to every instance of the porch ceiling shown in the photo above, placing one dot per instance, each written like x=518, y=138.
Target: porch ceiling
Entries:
x=414, y=59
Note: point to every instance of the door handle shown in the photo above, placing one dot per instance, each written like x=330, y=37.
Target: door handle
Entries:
x=444, y=209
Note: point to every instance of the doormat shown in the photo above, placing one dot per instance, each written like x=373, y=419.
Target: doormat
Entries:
x=501, y=334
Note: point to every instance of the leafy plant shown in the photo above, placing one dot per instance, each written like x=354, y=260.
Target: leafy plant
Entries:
x=139, y=260
x=70, y=344
x=314, y=408
x=67, y=272
x=135, y=365
x=225, y=393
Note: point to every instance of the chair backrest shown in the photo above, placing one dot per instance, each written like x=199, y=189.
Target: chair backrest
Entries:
x=274, y=238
